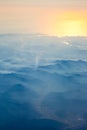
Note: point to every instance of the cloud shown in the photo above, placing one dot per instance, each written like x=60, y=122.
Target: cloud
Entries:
x=67, y=43
x=20, y=50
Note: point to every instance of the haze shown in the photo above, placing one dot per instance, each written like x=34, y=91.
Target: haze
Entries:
x=51, y=17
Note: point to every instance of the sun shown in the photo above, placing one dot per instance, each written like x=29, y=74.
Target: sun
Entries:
x=70, y=24
x=72, y=28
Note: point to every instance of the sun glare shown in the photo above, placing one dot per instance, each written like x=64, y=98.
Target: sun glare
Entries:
x=71, y=24
x=73, y=28
x=70, y=28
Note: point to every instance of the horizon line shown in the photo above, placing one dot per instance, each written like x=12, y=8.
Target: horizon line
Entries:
x=42, y=34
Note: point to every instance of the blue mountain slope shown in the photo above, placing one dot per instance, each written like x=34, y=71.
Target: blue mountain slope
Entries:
x=43, y=82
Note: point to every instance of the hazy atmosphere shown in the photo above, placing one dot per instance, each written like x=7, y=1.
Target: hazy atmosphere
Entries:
x=51, y=17
x=43, y=64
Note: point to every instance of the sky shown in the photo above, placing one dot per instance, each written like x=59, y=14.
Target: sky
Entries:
x=51, y=17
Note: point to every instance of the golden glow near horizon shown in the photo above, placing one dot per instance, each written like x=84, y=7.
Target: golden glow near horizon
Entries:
x=44, y=20
x=71, y=25
x=73, y=28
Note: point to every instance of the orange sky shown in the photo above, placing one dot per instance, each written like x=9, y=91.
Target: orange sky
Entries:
x=44, y=20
